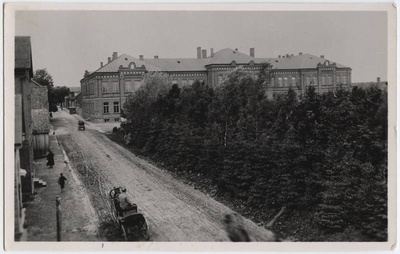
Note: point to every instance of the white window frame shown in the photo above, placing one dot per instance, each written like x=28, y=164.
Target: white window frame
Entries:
x=116, y=105
x=106, y=108
x=104, y=86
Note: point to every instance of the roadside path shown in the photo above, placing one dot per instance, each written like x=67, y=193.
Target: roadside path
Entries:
x=79, y=221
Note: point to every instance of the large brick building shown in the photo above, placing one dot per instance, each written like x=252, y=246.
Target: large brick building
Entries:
x=105, y=90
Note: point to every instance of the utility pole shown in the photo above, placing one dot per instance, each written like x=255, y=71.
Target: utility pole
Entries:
x=58, y=219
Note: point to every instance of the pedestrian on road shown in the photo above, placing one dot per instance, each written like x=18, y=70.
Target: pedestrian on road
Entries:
x=50, y=159
x=61, y=182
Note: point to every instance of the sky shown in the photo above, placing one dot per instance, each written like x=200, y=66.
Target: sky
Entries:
x=67, y=43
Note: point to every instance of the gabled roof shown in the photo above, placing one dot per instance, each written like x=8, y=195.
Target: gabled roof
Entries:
x=23, y=54
x=226, y=56
x=125, y=60
x=75, y=89
x=304, y=61
x=76, y=96
x=34, y=83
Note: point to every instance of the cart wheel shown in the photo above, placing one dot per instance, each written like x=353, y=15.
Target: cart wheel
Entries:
x=124, y=232
x=144, y=230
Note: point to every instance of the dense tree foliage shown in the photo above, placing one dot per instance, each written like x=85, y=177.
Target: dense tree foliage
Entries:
x=325, y=154
x=55, y=94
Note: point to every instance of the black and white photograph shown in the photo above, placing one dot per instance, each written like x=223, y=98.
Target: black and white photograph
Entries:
x=137, y=124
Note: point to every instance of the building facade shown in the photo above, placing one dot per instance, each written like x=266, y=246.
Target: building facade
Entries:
x=23, y=149
x=105, y=90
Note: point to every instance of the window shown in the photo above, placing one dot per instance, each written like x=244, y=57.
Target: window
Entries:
x=330, y=80
x=116, y=107
x=293, y=81
x=286, y=81
x=104, y=85
x=136, y=85
x=184, y=82
x=91, y=108
x=344, y=79
x=91, y=88
x=220, y=79
x=308, y=81
x=115, y=87
x=338, y=79
x=174, y=82
x=106, y=120
x=315, y=81
x=272, y=81
x=116, y=119
x=323, y=80
x=280, y=82
x=128, y=86
x=191, y=82
x=105, y=108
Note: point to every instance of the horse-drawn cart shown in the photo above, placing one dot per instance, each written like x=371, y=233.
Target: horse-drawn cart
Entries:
x=131, y=222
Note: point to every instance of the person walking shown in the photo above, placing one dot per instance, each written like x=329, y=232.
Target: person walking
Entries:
x=50, y=159
x=61, y=182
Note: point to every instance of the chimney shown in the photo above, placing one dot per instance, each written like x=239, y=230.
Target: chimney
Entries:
x=236, y=50
x=322, y=56
x=155, y=57
x=287, y=55
x=198, y=52
x=109, y=60
x=101, y=64
x=115, y=55
x=141, y=57
x=252, y=52
x=204, y=53
x=300, y=53
x=279, y=56
x=212, y=52
x=378, y=79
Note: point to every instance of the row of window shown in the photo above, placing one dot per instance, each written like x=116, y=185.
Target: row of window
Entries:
x=185, y=82
x=106, y=107
x=109, y=86
x=292, y=81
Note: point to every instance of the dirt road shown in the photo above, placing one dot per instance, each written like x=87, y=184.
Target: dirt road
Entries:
x=174, y=211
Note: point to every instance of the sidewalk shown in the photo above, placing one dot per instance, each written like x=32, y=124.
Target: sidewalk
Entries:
x=78, y=219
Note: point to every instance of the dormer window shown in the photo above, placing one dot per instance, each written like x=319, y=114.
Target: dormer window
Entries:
x=233, y=63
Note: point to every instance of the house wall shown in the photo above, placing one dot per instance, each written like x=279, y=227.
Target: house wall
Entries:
x=23, y=87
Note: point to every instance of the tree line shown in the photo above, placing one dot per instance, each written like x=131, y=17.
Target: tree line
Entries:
x=325, y=154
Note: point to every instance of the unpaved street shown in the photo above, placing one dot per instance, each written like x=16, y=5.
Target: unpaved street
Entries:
x=174, y=211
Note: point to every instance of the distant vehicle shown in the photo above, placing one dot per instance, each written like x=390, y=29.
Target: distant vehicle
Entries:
x=131, y=222
x=81, y=125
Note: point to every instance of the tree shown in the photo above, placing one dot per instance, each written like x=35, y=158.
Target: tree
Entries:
x=55, y=94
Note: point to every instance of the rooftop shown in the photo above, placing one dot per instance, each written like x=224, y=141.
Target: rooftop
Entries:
x=224, y=56
x=23, y=54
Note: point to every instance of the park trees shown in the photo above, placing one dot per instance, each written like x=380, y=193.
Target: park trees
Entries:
x=323, y=155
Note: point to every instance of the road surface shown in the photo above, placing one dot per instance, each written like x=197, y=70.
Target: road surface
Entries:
x=174, y=211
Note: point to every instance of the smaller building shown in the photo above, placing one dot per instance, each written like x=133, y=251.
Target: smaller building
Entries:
x=40, y=120
x=70, y=99
x=378, y=83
